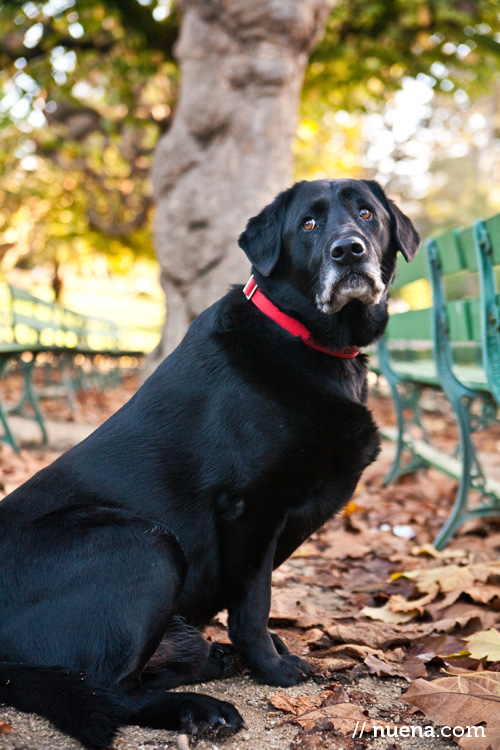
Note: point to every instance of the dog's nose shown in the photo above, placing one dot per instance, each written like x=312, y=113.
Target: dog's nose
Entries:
x=347, y=250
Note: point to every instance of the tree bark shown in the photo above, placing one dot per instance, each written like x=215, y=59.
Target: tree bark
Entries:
x=229, y=150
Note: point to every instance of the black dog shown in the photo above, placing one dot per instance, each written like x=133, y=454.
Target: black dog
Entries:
x=243, y=442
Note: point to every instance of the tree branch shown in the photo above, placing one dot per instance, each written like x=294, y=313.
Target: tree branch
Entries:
x=159, y=35
x=12, y=45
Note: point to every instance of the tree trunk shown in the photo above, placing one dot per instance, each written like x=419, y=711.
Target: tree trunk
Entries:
x=229, y=150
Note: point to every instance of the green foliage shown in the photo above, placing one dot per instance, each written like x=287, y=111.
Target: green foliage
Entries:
x=372, y=45
x=85, y=89
x=370, y=49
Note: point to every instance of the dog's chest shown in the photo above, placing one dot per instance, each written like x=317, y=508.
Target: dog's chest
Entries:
x=312, y=439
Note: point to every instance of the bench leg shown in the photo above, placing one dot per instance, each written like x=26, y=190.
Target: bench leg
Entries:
x=472, y=478
x=30, y=397
x=7, y=436
x=405, y=396
x=65, y=368
x=459, y=513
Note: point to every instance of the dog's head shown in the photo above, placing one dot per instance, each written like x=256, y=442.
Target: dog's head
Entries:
x=336, y=240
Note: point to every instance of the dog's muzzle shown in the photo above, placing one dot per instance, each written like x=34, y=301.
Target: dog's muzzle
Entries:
x=348, y=274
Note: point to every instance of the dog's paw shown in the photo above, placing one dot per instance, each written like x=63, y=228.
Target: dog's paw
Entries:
x=288, y=670
x=202, y=714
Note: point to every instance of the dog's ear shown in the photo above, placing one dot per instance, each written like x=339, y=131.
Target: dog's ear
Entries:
x=403, y=232
x=261, y=239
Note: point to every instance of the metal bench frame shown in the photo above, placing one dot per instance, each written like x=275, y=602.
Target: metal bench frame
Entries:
x=406, y=388
x=36, y=326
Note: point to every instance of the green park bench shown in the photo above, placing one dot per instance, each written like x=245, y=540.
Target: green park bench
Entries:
x=73, y=346
x=452, y=344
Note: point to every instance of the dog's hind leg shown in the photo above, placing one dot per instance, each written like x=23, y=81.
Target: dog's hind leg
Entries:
x=152, y=616
x=110, y=586
x=184, y=657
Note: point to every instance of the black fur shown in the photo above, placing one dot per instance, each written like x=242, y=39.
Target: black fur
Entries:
x=241, y=444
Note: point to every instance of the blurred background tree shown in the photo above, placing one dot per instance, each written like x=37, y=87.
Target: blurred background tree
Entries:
x=403, y=92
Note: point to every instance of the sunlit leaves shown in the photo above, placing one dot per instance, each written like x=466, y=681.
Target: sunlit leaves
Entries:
x=91, y=97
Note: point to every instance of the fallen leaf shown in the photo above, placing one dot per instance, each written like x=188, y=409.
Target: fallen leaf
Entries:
x=5, y=728
x=330, y=665
x=305, y=606
x=428, y=550
x=351, y=507
x=462, y=613
x=386, y=614
x=342, y=544
x=336, y=694
x=452, y=577
x=343, y=717
x=398, y=603
x=409, y=669
x=483, y=594
x=484, y=645
x=442, y=645
x=462, y=701
x=313, y=636
x=376, y=634
x=296, y=705
x=358, y=651
x=306, y=550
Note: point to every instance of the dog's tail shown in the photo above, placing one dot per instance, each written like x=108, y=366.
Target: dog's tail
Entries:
x=87, y=712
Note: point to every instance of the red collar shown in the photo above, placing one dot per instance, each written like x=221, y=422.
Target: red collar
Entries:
x=252, y=292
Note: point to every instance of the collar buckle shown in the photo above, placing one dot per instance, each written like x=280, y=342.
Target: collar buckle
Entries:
x=250, y=287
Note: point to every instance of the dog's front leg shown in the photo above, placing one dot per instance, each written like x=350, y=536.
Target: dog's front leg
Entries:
x=248, y=564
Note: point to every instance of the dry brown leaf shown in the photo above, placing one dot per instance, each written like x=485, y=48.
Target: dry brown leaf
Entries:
x=377, y=634
x=295, y=604
x=5, y=728
x=461, y=613
x=409, y=669
x=296, y=705
x=387, y=615
x=342, y=544
x=356, y=650
x=428, y=550
x=483, y=594
x=398, y=603
x=442, y=645
x=308, y=549
x=329, y=665
x=314, y=635
x=343, y=717
x=484, y=645
x=335, y=694
x=447, y=600
x=452, y=577
x=462, y=701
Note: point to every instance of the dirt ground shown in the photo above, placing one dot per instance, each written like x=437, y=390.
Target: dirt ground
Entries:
x=327, y=581
x=268, y=729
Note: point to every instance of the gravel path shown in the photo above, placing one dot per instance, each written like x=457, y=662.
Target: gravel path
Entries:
x=268, y=728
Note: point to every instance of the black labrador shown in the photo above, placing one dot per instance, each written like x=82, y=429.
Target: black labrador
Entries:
x=244, y=441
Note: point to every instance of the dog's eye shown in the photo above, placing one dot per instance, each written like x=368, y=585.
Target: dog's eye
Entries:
x=365, y=213
x=309, y=224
